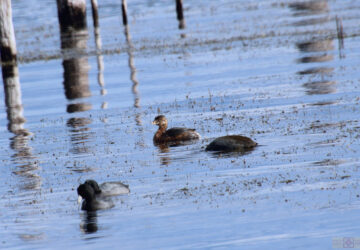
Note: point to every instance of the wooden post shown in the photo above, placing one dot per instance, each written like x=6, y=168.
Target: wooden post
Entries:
x=124, y=12
x=180, y=14
x=71, y=14
x=95, y=13
x=7, y=35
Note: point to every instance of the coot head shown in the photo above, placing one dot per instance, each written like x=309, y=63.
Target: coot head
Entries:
x=94, y=185
x=86, y=191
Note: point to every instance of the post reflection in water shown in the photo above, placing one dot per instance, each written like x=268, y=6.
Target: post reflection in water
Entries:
x=313, y=10
x=340, y=36
x=75, y=63
x=100, y=64
x=23, y=157
x=134, y=87
x=76, y=85
x=80, y=134
x=180, y=16
x=135, y=84
x=317, y=50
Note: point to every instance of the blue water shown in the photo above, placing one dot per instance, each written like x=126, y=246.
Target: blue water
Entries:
x=266, y=70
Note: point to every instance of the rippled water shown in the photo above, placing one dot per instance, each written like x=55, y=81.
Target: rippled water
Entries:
x=274, y=71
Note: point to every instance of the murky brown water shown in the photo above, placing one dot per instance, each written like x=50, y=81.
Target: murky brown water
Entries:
x=274, y=71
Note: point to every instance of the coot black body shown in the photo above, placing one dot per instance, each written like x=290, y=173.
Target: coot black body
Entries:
x=231, y=143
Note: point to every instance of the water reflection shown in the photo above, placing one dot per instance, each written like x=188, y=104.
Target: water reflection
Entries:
x=165, y=150
x=180, y=16
x=314, y=9
x=220, y=154
x=23, y=157
x=76, y=85
x=304, y=8
x=100, y=64
x=135, y=83
x=89, y=222
x=340, y=36
x=134, y=87
x=80, y=134
x=98, y=45
x=315, y=46
x=317, y=70
x=316, y=50
x=320, y=87
x=75, y=64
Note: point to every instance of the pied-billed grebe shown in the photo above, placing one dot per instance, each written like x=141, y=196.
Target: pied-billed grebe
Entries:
x=174, y=134
x=231, y=143
x=97, y=197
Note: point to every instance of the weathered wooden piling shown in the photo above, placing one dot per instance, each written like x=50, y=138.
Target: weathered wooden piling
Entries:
x=95, y=13
x=180, y=13
x=71, y=14
x=124, y=12
x=7, y=35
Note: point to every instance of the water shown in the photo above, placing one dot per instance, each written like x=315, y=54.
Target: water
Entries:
x=275, y=72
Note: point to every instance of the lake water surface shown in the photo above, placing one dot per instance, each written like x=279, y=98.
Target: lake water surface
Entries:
x=273, y=71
